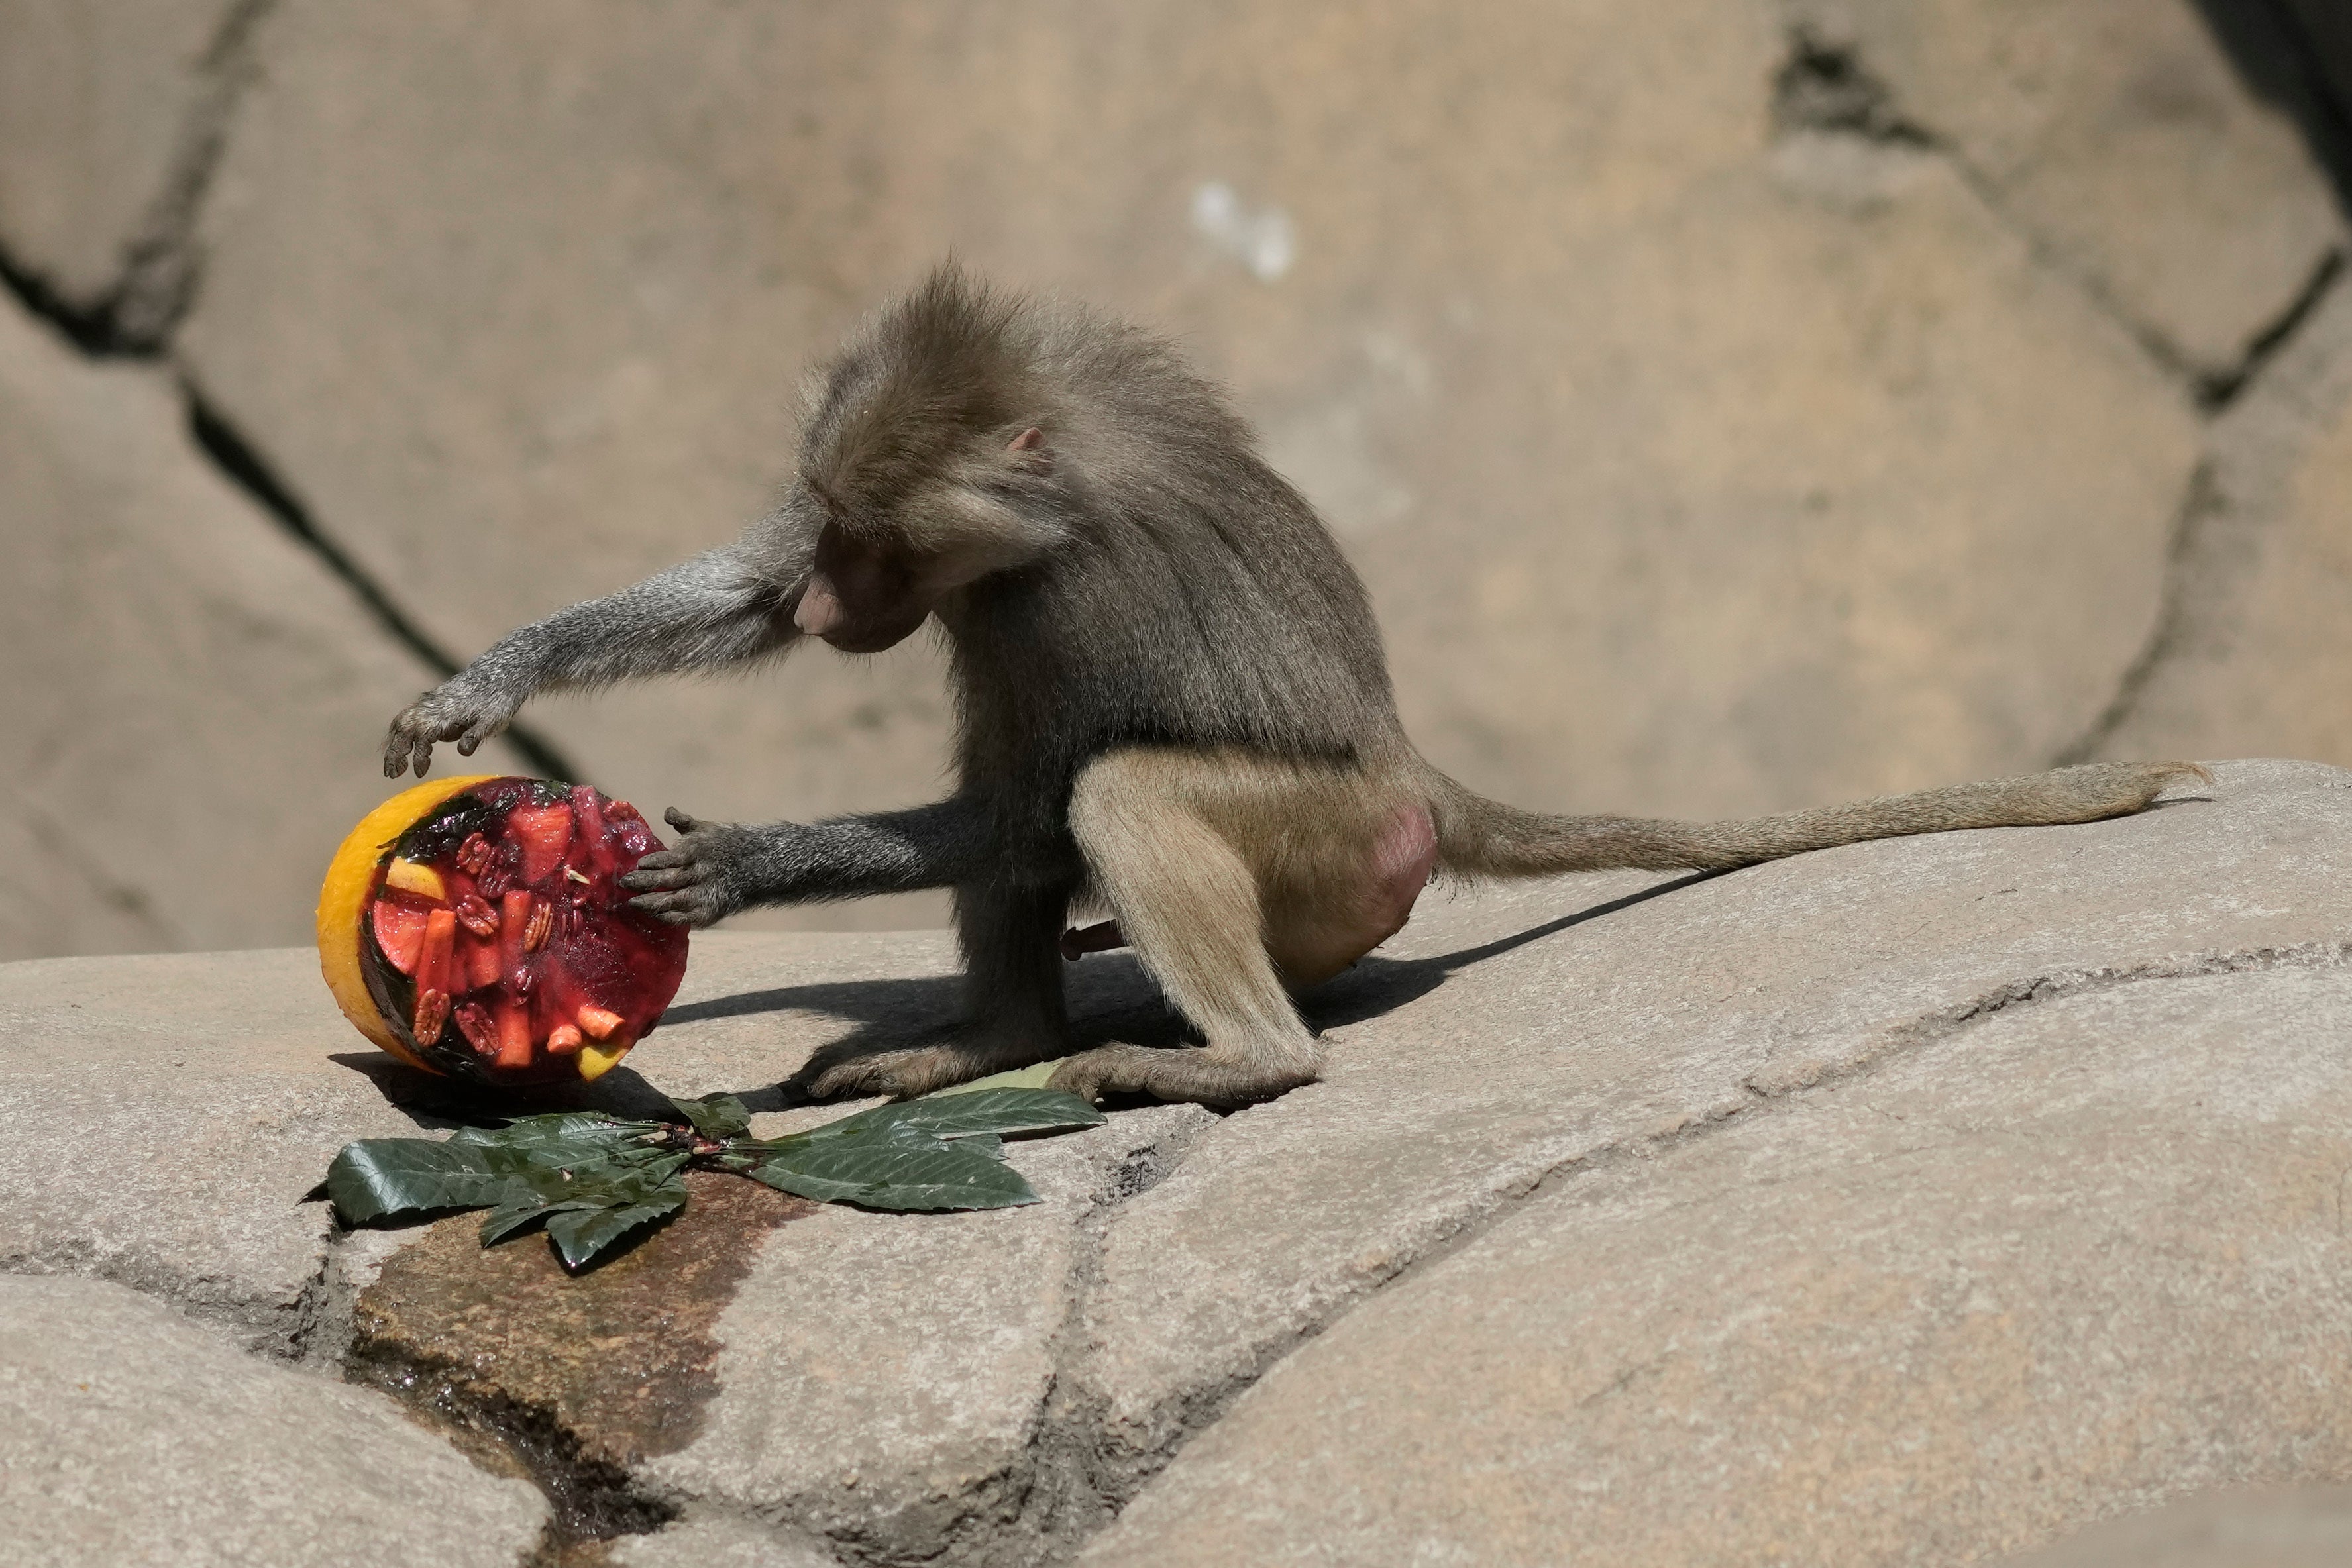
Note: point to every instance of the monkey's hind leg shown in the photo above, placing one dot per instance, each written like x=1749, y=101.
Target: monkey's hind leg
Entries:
x=1013, y=1011
x=1188, y=903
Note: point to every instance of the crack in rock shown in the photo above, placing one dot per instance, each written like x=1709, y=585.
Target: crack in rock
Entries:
x=136, y=316
x=1115, y=1474
x=266, y=1327
x=1825, y=88
x=2197, y=508
x=577, y=1379
x=243, y=465
x=2219, y=390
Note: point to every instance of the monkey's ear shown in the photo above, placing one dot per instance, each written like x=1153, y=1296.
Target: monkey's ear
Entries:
x=1030, y=453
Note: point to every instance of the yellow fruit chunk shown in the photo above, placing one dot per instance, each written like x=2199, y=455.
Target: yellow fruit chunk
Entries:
x=420, y=880
x=343, y=896
x=596, y=1060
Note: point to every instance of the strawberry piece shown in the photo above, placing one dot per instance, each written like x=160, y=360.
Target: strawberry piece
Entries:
x=479, y=962
x=588, y=810
x=545, y=832
x=399, y=931
x=433, y=962
x=514, y=928
x=513, y=1019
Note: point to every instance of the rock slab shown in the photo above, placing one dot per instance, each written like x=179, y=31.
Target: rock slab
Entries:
x=129, y=1435
x=2268, y=1527
x=2072, y=1248
x=1769, y=1202
x=197, y=700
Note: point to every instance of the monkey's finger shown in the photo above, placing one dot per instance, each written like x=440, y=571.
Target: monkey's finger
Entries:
x=660, y=879
x=675, y=908
x=681, y=821
x=660, y=859
x=396, y=749
x=420, y=755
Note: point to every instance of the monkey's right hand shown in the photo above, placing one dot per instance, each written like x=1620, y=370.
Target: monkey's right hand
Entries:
x=707, y=877
x=458, y=709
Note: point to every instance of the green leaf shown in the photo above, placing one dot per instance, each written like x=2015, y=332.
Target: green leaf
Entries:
x=514, y=1218
x=900, y=1171
x=378, y=1177
x=997, y=1110
x=580, y=1235
x=588, y=1207
x=565, y=1127
x=1035, y=1076
x=716, y=1116
x=546, y=1165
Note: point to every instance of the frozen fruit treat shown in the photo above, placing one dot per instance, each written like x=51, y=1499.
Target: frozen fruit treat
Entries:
x=474, y=927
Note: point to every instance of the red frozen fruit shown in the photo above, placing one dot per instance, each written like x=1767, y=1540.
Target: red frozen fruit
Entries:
x=477, y=928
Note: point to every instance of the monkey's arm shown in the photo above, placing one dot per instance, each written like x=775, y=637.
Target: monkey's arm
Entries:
x=718, y=609
x=720, y=868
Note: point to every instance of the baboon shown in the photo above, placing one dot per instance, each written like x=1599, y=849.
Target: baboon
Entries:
x=1172, y=705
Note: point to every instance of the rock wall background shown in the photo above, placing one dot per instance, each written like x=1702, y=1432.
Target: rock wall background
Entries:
x=1733, y=404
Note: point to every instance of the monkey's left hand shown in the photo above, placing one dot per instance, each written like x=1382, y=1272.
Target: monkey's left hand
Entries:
x=714, y=871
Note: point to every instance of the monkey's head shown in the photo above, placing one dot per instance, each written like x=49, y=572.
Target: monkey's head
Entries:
x=925, y=464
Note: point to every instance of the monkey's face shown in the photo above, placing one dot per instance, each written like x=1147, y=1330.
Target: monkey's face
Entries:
x=863, y=596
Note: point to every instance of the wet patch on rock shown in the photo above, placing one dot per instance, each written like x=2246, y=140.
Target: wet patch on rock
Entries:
x=573, y=1379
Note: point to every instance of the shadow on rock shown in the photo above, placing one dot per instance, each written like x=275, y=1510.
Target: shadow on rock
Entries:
x=1111, y=999
x=437, y=1104
x=1377, y=986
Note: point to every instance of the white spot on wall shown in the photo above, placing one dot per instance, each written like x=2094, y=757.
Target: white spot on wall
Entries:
x=1265, y=242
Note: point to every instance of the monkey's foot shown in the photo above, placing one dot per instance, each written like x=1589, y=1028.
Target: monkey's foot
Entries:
x=1193, y=1072
x=835, y=1074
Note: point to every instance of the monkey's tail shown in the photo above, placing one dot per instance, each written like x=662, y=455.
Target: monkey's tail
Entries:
x=1481, y=838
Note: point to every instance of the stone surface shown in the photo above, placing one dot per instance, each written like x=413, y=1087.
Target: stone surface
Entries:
x=220, y=1085
x=2117, y=133
x=96, y=101
x=2253, y=648
x=991, y=1388
x=2303, y=1527
x=1486, y=1060
x=715, y=1544
x=192, y=699
x=622, y=1357
x=2082, y=1253
x=213, y=1090
x=162, y=1117
x=1799, y=459
x=132, y=1435
x=886, y=1376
